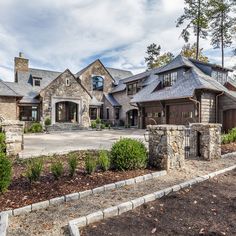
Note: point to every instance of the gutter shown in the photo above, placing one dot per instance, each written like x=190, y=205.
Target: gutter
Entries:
x=199, y=108
x=217, y=103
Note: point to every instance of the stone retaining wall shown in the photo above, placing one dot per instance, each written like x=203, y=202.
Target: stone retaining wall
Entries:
x=166, y=146
x=14, y=131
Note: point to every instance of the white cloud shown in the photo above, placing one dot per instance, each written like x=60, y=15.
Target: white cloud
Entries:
x=58, y=34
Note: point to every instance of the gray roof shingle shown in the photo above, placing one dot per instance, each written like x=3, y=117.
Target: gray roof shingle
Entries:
x=112, y=100
x=6, y=90
x=119, y=74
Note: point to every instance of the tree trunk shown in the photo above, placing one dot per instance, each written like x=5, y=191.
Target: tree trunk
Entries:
x=198, y=28
x=222, y=39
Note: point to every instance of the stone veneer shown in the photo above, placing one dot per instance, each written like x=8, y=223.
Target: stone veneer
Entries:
x=166, y=146
x=8, y=108
x=14, y=131
x=205, y=141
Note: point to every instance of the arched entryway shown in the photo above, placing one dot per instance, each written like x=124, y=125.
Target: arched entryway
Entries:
x=132, y=118
x=66, y=112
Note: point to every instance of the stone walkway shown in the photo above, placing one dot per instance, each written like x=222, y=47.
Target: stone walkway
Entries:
x=54, y=220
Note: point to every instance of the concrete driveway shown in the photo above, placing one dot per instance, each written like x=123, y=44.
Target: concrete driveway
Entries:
x=64, y=142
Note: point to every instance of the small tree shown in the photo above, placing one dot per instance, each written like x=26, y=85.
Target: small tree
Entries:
x=189, y=51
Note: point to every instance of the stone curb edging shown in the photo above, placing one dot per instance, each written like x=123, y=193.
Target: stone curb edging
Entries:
x=79, y=195
x=3, y=224
x=83, y=221
x=228, y=155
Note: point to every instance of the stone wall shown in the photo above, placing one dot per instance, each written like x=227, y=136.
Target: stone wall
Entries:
x=166, y=146
x=14, y=131
x=8, y=108
x=205, y=141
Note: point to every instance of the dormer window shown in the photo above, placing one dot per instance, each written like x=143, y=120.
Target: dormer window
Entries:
x=169, y=79
x=132, y=88
x=220, y=76
x=37, y=81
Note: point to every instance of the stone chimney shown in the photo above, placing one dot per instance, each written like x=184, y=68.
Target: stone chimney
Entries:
x=21, y=64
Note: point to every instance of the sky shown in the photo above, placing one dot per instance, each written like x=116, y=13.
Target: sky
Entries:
x=60, y=34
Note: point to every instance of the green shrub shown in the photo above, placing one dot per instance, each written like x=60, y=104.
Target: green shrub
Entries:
x=98, y=121
x=2, y=142
x=57, y=169
x=47, y=122
x=72, y=162
x=103, y=126
x=230, y=137
x=128, y=154
x=36, y=128
x=34, y=169
x=90, y=164
x=93, y=124
x=5, y=172
x=103, y=160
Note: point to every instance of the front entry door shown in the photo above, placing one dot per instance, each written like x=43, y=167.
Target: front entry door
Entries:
x=66, y=112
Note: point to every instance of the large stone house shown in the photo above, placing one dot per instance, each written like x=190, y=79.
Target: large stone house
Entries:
x=182, y=92
x=63, y=97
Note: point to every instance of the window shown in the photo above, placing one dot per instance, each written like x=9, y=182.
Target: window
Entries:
x=28, y=113
x=220, y=76
x=36, y=82
x=157, y=114
x=67, y=82
x=117, y=113
x=149, y=114
x=98, y=83
x=108, y=115
x=93, y=113
x=169, y=79
x=132, y=89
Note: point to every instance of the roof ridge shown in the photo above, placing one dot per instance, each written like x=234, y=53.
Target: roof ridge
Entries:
x=117, y=69
x=30, y=68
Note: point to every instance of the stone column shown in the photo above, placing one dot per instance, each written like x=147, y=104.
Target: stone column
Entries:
x=166, y=146
x=205, y=141
x=14, y=131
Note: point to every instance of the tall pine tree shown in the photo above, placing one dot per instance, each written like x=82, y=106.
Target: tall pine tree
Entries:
x=221, y=24
x=195, y=15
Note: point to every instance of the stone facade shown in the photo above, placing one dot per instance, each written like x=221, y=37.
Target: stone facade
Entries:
x=8, y=108
x=14, y=131
x=96, y=69
x=166, y=146
x=205, y=141
x=59, y=91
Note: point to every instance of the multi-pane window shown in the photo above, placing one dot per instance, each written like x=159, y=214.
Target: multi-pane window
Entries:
x=36, y=82
x=98, y=83
x=220, y=76
x=169, y=79
x=117, y=113
x=93, y=113
x=132, y=88
x=29, y=113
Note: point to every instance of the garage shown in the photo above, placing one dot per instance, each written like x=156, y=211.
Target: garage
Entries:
x=153, y=116
x=180, y=114
x=229, y=119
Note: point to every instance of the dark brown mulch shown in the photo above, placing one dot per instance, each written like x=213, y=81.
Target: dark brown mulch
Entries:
x=228, y=148
x=22, y=193
x=207, y=209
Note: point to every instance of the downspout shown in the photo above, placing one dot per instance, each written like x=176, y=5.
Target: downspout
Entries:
x=217, y=103
x=199, y=108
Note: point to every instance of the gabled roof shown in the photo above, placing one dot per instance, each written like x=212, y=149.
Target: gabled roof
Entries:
x=5, y=90
x=112, y=100
x=192, y=80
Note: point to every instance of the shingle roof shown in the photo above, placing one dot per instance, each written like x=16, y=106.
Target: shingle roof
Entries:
x=112, y=100
x=119, y=74
x=193, y=79
x=5, y=90
x=95, y=102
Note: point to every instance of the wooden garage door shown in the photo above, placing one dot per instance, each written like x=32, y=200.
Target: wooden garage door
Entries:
x=180, y=114
x=152, y=116
x=229, y=120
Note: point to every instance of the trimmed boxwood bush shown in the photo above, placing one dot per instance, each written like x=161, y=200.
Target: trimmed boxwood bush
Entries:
x=36, y=128
x=5, y=172
x=47, y=122
x=128, y=154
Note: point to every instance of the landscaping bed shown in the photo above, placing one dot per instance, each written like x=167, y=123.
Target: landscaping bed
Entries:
x=206, y=209
x=228, y=148
x=21, y=192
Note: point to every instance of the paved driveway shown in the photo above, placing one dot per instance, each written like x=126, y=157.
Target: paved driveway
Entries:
x=48, y=144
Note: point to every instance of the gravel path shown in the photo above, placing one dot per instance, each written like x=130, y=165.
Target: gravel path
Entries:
x=54, y=220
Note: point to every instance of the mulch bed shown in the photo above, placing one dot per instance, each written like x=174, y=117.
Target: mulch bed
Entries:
x=207, y=209
x=228, y=148
x=22, y=193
